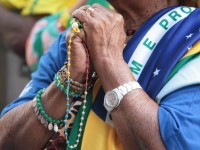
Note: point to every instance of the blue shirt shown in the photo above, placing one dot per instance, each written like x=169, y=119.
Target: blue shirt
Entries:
x=178, y=114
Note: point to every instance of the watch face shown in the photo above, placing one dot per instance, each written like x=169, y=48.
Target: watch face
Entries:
x=111, y=99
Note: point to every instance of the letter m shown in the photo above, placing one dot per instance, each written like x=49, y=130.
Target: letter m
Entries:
x=136, y=67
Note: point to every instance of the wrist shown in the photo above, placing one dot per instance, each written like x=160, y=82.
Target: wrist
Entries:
x=53, y=98
x=114, y=73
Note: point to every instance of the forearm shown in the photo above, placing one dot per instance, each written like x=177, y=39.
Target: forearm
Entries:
x=136, y=118
x=20, y=127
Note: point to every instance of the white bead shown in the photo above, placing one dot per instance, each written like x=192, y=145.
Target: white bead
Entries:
x=55, y=128
x=85, y=92
x=75, y=25
x=82, y=118
x=50, y=126
x=84, y=101
x=84, y=107
x=81, y=124
x=34, y=103
x=77, y=141
x=80, y=130
x=83, y=113
x=79, y=135
x=71, y=146
x=75, y=145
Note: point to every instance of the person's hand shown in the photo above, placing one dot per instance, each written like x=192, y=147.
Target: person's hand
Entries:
x=105, y=38
x=78, y=51
x=104, y=32
x=79, y=56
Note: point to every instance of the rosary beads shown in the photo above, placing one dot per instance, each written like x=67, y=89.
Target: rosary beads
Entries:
x=75, y=30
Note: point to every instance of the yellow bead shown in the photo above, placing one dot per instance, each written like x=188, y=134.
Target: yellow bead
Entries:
x=70, y=41
x=72, y=34
x=68, y=64
x=69, y=53
x=69, y=59
x=68, y=73
x=77, y=31
x=74, y=29
x=69, y=47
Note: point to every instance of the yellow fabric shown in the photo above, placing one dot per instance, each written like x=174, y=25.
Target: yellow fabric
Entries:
x=195, y=49
x=99, y=136
x=14, y=4
x=33, y=7
x=46, y=6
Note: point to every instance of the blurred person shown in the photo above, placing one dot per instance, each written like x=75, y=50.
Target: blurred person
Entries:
x=18, y=17
x=47, y=30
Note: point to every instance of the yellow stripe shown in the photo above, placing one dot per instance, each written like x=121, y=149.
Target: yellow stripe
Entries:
x=99, y=136
x=195, y=49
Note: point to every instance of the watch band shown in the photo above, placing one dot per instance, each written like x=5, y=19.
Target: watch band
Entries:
x=120, y=91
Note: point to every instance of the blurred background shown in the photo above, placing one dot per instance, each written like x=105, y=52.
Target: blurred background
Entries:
x=12, y=78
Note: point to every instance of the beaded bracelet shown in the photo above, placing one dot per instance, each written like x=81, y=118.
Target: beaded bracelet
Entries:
x=71, y=92
x=43, y=116
x=62, y=73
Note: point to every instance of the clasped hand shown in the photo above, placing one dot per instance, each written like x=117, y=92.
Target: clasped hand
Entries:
x=102, y=34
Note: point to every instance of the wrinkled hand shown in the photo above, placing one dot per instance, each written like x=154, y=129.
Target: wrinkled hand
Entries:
x=78, y=55
x=78, y=51
x=104, y=33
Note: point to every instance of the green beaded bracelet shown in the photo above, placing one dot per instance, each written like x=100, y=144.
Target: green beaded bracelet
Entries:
x=64, y=89
x=42, y=112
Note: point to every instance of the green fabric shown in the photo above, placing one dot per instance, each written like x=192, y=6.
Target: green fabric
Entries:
x=180, y=64
x=75, y=128
x=102, y=2
x=33, y=6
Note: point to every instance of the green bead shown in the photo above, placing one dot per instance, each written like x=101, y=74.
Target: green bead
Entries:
x=50, y=119
x=40, y=108
x=42, y=112
x=46, y=116
x=37, y=101
x=57, y=121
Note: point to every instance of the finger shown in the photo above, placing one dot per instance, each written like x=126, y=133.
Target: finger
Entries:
x=80, y=38
x=86, y=13
x=108, y=12
x=100, y=7
x=81, y=14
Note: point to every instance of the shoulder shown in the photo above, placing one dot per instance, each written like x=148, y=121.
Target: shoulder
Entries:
x=179, y=120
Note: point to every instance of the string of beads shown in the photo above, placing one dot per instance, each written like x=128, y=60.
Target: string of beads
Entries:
x=75, y=30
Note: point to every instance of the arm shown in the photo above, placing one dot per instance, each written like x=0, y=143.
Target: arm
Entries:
x=136, y=119
x=20, y=127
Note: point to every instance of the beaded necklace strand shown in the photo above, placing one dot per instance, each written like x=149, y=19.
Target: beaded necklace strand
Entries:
x=75, y=30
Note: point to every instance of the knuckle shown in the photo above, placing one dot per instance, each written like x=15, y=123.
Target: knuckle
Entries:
x=110, y=15
x=119, y=17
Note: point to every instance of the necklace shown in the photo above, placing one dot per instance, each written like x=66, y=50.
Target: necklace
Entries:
x=75, y=30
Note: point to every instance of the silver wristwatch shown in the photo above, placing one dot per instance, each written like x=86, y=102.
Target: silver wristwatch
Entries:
x=113, y=97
